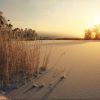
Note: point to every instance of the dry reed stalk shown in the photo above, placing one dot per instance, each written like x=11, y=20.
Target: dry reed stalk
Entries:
x=46, y=58
x=11, y=57
x=4, y=55
x=16, y=62
x=38, y=51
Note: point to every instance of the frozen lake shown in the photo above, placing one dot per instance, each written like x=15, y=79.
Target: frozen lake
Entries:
x=80, y=61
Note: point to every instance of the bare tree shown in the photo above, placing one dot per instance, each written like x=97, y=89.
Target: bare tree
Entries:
x=88, y=34
x=96, y=30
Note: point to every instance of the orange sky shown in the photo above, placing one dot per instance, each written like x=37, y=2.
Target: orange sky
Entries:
x=53, y=16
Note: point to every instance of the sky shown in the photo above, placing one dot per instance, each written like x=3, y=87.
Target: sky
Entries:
x=65, y=17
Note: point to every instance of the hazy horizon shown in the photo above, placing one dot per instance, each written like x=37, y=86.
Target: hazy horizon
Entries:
x=57, y=35
x=66, y=17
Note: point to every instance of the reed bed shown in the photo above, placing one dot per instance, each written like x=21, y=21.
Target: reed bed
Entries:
x=18, y=63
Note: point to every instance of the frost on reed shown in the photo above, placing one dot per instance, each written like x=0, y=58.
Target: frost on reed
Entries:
x=11, y=57
x=18, y=63
x=15, y=64
x=46, y=58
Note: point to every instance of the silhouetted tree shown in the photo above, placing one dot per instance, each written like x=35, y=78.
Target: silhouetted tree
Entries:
x=3, y=21
x=88, y=34
x=96, y=30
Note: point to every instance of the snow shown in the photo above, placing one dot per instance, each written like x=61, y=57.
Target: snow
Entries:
x=4, y=98
x=80, y=66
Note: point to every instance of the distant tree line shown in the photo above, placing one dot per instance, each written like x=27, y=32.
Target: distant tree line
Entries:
x=27, y=34
x=92, y=34
x=17, y=33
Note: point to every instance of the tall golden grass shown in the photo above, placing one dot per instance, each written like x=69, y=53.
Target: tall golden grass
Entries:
x=18, y=62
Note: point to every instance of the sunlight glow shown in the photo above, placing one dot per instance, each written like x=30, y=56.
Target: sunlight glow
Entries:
x=53, y=16
x=93, y=23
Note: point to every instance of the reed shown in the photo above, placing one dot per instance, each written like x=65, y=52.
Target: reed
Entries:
x=46, y=58
x=19, y=62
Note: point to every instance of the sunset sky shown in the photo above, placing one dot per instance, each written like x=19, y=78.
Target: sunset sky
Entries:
x=53, y=16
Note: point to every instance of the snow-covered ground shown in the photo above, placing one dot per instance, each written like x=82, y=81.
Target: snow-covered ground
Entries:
x=79, y=61
x=4, y=98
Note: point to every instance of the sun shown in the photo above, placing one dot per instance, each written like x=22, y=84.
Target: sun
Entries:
x=97, y=21
x=94, y=22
